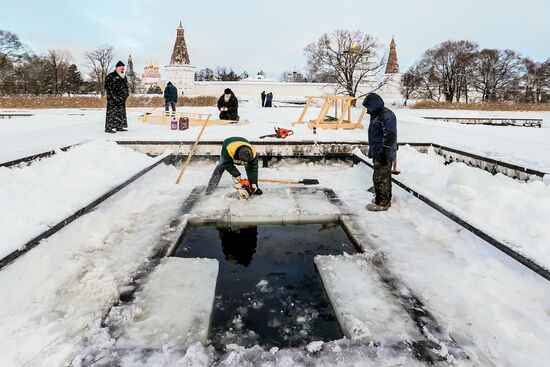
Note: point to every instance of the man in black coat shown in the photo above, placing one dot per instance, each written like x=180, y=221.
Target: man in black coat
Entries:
x=170, y=98
x=263, y=98
x=382, y=149
x=228, y=106
x=116, y=86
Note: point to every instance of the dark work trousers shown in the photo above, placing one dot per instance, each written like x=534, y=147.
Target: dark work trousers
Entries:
x=169, y=105
x=382, y=182
x=215, y=179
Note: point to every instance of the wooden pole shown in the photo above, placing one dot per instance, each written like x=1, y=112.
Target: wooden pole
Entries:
x=192, y=151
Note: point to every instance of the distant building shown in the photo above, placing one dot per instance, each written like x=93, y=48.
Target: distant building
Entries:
x=180, y=72
x=151, y=77
x=133, y=82
x=295, y=77
x=393, y=66
x=392, y=90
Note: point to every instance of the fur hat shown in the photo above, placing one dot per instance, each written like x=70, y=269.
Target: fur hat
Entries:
x=119, y=64
x=228, y=91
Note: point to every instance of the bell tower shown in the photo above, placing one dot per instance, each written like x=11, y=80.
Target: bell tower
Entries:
x=180, y=55
x=393, y=66
x=179, y=71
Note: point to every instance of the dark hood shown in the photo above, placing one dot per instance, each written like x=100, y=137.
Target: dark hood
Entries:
x=169, y=83
x=373, y=103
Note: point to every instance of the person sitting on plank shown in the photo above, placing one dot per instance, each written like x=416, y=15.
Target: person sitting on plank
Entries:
x=228, y=104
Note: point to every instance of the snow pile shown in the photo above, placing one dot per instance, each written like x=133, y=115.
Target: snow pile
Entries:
x=34, y=198
x=517, y=212
x=364, y=306
x=174, y=307
x=53, y=297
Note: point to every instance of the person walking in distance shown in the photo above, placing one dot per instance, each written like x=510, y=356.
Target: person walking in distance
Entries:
x=116, y=86
x=170, y=98
x=382, y=150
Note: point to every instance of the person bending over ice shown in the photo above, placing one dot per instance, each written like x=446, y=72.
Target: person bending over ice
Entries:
x=237, y=151
x=382, y=150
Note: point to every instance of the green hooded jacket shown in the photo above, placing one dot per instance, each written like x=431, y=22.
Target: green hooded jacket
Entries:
x=228, y=162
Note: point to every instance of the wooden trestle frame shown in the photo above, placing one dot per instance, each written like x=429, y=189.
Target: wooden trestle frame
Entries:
x=195, y=119
x=323, y=121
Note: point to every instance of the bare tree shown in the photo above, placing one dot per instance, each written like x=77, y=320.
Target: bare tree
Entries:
x=495, y=73
x=346, y=58
x=535, y=81
x=449, y=66
x=411, y=83
x=100, y=62
x=12, y=51
x=57, y=62
x=11, y=48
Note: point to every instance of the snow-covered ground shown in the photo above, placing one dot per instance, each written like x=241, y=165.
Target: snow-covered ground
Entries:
x=515, y=211
x=34, y=199
x=49, y=129
x=53, y=297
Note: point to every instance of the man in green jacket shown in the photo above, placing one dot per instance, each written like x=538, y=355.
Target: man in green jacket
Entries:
x=237, y=151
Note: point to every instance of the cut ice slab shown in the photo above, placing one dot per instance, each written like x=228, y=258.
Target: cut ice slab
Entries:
x=283, y=206
x=362, y=303
x=174, y=307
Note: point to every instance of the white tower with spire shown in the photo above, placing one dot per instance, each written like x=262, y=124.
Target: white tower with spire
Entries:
x=180, y=72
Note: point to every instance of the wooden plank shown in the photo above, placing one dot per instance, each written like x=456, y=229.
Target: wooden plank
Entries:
x=324, y=111
x=360, y=120
x=301, y=118
x=329, y=125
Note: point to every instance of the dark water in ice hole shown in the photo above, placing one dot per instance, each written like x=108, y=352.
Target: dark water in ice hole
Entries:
x=268, y=290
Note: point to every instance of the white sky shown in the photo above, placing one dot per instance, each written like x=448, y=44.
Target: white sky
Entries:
x=271, y=35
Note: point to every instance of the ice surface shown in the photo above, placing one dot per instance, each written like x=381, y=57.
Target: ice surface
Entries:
x=364, y=306
x=174, y=307
x=283, y=204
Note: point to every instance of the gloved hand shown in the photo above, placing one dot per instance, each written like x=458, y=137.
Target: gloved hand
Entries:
x=237, y=180
x=256, y=190
x=383, y=156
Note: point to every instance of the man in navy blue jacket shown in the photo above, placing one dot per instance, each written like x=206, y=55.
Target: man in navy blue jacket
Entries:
x=382, y=149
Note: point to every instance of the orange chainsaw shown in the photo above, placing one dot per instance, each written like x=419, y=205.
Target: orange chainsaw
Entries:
x=280, y=133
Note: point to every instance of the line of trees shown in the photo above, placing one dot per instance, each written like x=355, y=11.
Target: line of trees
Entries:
x=459, y=71
x=220, y=73
x=54, y=73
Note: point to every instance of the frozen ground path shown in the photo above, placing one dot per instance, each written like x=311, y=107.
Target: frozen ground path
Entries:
x=51, y=129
